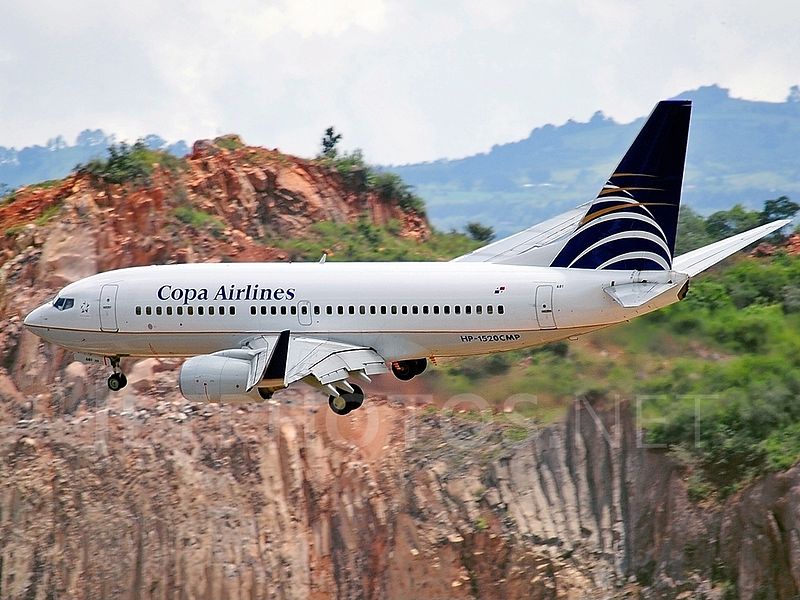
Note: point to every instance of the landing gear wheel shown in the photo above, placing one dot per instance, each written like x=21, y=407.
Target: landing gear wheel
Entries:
x=265, y=393
x=338, y=405
x=346, y=402
x=117, y=381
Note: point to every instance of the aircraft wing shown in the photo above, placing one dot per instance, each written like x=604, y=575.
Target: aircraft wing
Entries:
x=290, y=359
x=532, y=242
x=330, y=362
x=699, y=260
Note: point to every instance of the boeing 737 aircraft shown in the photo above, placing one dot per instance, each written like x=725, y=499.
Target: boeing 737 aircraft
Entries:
x=251, y=329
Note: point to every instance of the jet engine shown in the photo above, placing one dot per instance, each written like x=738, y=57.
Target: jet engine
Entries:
x=212, y=378
x=408, y=369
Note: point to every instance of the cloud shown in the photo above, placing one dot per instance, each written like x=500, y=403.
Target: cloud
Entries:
x=404, y=80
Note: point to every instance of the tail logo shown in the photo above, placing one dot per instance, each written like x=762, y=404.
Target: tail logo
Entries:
x=618, y=231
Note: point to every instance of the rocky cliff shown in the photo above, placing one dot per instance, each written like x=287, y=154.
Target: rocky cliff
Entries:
x=145, y=495
x=147, y=498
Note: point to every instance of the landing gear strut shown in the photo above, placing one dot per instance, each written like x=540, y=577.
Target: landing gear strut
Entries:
x=117, y=381
x=346, y=401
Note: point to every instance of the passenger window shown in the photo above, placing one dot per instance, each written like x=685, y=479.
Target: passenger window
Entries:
x=351, y=309
x=500, y=309
x=478, y=310
x=283, y=310
x=328, y=310
x=263, y=309
x=200, y=310
x=158, y=310
x=221, y=310
x=294, y=310
x=457, y=310
x=404, y=309
x=138, y=310
x=190, y=310
x=232, y=310
x=252, y=310
x=362, y=309
x=317, y=309
x=415, y=310
x=436, y=309
x=468, y=309
x=447, y=310
x=340, y=310
x=210, y=310
x=372, y=310
x=148, y=311
x=425, y=309
x=304, y=309
x=273, y=310
x=383, y=310
x=489, y=309
x=179, y=310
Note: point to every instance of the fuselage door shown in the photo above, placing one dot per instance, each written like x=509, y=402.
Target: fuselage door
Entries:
x=108, y=307
x=304, y=312
x=544, y=307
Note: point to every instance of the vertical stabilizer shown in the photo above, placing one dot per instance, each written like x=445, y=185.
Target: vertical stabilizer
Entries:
x=632, y=223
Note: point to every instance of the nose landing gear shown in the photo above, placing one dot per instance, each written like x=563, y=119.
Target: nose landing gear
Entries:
x=117, y=380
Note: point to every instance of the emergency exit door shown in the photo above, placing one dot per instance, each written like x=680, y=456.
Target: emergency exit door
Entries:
x=544, y=307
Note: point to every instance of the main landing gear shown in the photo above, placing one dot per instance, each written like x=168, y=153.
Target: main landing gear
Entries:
x=346, y=401
x=117, y=381
x=408, y=369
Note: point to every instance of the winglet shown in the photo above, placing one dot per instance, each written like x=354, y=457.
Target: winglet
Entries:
x=276, y=368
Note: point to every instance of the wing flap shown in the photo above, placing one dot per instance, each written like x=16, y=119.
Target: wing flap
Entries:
x=329, y=361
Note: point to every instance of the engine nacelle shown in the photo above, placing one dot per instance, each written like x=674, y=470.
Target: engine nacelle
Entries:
x=212, y=378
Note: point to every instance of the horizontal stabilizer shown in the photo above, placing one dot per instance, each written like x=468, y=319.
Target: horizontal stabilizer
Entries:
x=699, y=260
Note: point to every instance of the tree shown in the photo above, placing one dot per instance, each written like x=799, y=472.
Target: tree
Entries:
x=725, y=223
x=779, y=208
x=329, y=142
x=479, y=232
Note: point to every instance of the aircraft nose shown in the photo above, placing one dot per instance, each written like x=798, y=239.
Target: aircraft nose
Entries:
x=37, y=317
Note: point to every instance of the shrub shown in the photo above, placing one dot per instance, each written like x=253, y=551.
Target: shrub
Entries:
x=128, y=164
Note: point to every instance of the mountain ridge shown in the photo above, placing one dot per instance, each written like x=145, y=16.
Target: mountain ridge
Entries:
x=740, y=151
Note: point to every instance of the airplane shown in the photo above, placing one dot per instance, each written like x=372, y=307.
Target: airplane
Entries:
x=250, y=329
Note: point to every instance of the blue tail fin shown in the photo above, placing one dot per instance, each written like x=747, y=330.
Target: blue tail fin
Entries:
x=632, y=223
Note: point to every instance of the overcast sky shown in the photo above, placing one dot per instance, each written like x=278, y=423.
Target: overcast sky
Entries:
x=403, y=80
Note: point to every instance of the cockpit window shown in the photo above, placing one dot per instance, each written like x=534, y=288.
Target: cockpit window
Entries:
x=64, y=303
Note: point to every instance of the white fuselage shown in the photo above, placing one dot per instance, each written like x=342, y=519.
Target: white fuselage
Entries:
x=402, y=310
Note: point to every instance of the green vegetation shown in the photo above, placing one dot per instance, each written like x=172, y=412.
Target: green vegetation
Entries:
x=199, y=219
x=696, y=231
x=129, y=164
x=46, y=185
x=362, y=177
x=229, y=142
x=364, y=241
x=479, y=232
x=48, y=214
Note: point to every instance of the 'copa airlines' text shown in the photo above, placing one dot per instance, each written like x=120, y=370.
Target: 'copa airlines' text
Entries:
x=227, y=293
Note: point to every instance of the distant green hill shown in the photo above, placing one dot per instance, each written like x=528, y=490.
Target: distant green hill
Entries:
x=739, y=151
